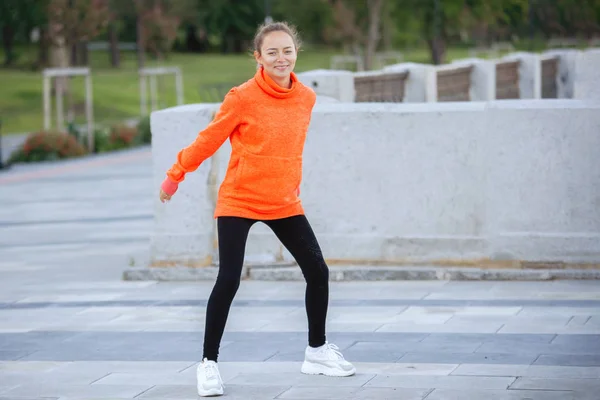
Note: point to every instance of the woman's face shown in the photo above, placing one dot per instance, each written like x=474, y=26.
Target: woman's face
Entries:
x=277, y=55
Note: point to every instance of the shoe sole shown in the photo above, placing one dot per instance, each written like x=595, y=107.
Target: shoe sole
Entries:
x=210, y=392
x=309, y=368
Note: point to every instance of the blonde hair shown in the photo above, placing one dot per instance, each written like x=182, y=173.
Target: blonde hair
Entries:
x=269, y=27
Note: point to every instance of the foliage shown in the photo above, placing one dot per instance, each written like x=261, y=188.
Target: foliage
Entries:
x=564, y=17
x=233, y=22
x=77, y=20
x=121, y=137
x=48, y=146
x=144, y=133
x=160, y=21
x=16, y=17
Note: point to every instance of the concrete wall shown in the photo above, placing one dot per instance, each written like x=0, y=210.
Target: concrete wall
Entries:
x=579, y=77
x=400, y=183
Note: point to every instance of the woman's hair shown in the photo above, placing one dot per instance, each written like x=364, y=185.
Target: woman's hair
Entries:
x=267, y=28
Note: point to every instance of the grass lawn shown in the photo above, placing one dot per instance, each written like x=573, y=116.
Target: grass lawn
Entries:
x=116, y=91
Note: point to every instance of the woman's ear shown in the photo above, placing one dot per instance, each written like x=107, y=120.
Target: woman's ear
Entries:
x=257, y=56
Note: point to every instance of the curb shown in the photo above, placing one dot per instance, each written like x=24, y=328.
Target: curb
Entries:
x=364, y=273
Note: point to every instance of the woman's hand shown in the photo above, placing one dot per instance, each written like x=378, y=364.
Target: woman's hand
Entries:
x=163, y=196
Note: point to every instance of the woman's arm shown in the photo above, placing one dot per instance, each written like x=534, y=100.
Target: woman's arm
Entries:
x=207, y=142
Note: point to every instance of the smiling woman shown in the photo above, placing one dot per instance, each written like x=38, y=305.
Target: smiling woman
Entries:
x=276, y=50
x=266, y=120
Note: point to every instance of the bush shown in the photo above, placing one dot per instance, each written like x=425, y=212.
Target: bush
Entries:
x=48, y=146
x=144, y=133
x=121, y=137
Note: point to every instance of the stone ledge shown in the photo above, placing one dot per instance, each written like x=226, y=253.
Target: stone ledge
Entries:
x=172, y=274
x=364, y=273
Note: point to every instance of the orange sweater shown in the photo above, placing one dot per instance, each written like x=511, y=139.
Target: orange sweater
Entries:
x=266, y=125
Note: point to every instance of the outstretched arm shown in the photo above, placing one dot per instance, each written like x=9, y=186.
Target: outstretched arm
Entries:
x=206, y=143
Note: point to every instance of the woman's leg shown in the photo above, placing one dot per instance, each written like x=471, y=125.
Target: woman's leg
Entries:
x=232, y=234
x=320, y=357
x=296, y=234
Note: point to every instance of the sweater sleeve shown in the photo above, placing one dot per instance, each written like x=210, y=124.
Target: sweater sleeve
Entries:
x=206, y=143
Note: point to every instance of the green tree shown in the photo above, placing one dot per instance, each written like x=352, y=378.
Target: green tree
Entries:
x=233, y=22
x=444, y=20
x=16, y=18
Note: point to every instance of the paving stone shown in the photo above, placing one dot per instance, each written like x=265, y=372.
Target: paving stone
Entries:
x=299, y=379
x=66, y=389
x=481, y=338
x=148, y=379
x=584, y=385
x=463, y=311
x=13, y=354
x=406, y=369
x=476, y=394
x=526, y=327
x=26, y=398
x=448, y=327
x=32, y=340
x=588, y=340
x=421, y=347
x=579, y=320
x=538, y=348
x=468, y=358
x=78, y=377
x=451, y=382
x=233, y=392
x=29, y=366
x=531, y=371
x=6, y=388
x=568, y=360
x=343, y=393
x=238, y=351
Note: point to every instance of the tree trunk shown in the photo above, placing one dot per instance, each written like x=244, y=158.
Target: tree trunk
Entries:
x=43, y=52
x=74, y=58
x=59, y=58
x=8, y=35
x=436, y=34
x=373, y=34
x=84, y=54
x=437, y=46
x=115, y=60
x=140, y=43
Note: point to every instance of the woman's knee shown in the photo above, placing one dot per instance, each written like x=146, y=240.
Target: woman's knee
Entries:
x=227, y=284
x=317, y=274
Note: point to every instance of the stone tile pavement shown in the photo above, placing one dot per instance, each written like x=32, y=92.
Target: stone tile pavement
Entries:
x=70, y=328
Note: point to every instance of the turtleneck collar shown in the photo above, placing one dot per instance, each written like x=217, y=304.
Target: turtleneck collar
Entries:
x=271, y=87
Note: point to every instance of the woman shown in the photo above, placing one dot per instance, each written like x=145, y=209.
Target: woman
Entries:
x=266, y=120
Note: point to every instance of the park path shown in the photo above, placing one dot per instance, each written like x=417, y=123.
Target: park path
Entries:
x=70, y=328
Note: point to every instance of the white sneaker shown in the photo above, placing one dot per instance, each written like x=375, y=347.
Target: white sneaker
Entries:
x=326, y=360
x=209, y=379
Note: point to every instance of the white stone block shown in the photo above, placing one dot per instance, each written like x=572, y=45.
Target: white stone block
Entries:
x=421, y=83
x=587, y=75
x=183, y=228
x=483, y=78
x=566, y=70
x=530, y=74
x=336, y=84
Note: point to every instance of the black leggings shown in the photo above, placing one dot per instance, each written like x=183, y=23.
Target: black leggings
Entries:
x=296, y=234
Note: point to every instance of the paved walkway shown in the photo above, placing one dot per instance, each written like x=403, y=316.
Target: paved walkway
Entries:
x=70, y=328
